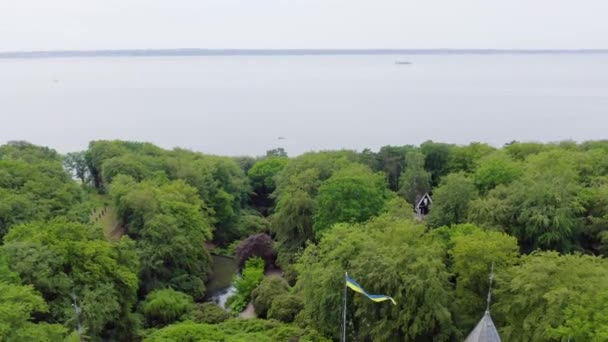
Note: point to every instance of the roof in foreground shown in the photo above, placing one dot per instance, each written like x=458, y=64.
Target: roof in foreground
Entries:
x=485, y=331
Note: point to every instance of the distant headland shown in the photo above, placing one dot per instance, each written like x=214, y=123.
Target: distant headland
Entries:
x=281, y=52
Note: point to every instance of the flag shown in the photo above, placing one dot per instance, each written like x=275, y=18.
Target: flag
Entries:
x=350, y=282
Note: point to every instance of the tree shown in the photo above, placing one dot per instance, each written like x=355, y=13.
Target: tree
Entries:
x=63, y=260
x=76, y=164
x=285, y=307
x=541, y=208
x=587, y=320
x=262, y=173
x=169, y=228
x=451, y=200
x=18, y=304
x=250, y=222
x=297, y=186
x=392, y=160
x=414, y=181
x=127, y=165
x=292, y=222
x=353, y=194
x=594, y=234
x=253, y=274
x=163, y=307
x=263, y=295
x=245, y=162
x=235, y=330
x=33, y=186
x=436, y=159
x=28, y=152
x=220, y=181
x=473, y=251
x=545, y=292
x=521, y=150
x=466, y=158
x=371, y=159
x=258, y=245
x=187, y=331
x=496, y=169
x=388, y=255
x=276, y=152
x=209, y=313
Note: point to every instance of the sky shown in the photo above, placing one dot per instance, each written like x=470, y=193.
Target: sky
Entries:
x=283, y=24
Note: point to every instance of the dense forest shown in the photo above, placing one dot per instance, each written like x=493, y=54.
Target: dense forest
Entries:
x=116, y=243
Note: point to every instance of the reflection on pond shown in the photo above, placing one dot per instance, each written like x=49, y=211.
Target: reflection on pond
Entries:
x=219, y=287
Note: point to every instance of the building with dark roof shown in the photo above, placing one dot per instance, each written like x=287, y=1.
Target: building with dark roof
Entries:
x=485, y=331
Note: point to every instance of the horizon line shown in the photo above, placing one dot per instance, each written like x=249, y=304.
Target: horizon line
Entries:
x=144, y=52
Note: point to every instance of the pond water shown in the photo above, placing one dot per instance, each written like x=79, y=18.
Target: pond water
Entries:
x=219, y=287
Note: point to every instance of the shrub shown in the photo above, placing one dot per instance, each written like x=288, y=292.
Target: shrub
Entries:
x=285, y=307
x=207, y=313
x=163, y=307
x=266, y=292
x=253, y=274
x=258, y=245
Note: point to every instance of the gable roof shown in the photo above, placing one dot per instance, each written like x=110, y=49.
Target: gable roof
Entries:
x=485, y=331
x=419, y=201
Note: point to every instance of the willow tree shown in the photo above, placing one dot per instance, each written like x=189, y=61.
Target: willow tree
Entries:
x=388, y=255
x=548, y=296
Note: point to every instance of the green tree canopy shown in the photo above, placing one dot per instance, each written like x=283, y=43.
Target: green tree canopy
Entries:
x=34, y=185
x=263, y=295
x=235, y=330
x=166, y=220
x=285, y=307
x=496, y=169
x=210, y=313
x=163, y=307
x=466, y=158
x=297, y=186
x=415, y=181
x=66, y=260
x=18, y=303
x=541, y=208
x=262, y=173
x=76, y=164
x=388, y=255
x=252, y=276
x=220, y=182
x=353, y=194
x=451, y=200
x=473, y=251
x=436, y=159
x=391, y=160
x=541, y=299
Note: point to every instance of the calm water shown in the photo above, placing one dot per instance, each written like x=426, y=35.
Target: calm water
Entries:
x=241, y=105
x=219, y=287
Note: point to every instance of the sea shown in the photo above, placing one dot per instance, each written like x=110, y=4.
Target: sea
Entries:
x=247, y=104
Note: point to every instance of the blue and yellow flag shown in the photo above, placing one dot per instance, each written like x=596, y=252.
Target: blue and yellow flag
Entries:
x=350, y=282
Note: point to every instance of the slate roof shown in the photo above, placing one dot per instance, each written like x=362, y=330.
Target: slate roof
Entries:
x=485, y=331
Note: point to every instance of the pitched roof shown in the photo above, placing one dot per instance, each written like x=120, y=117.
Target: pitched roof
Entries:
x=485, y=331
x=420, y=198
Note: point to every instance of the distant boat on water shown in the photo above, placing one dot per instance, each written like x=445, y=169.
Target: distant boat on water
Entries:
x=403, y=62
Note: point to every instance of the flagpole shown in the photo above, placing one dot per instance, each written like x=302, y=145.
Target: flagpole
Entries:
x=344, y=311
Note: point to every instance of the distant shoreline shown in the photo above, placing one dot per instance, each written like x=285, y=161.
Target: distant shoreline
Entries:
x=285, y=52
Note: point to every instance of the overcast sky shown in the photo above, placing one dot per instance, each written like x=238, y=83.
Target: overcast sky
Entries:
x=108, y=24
